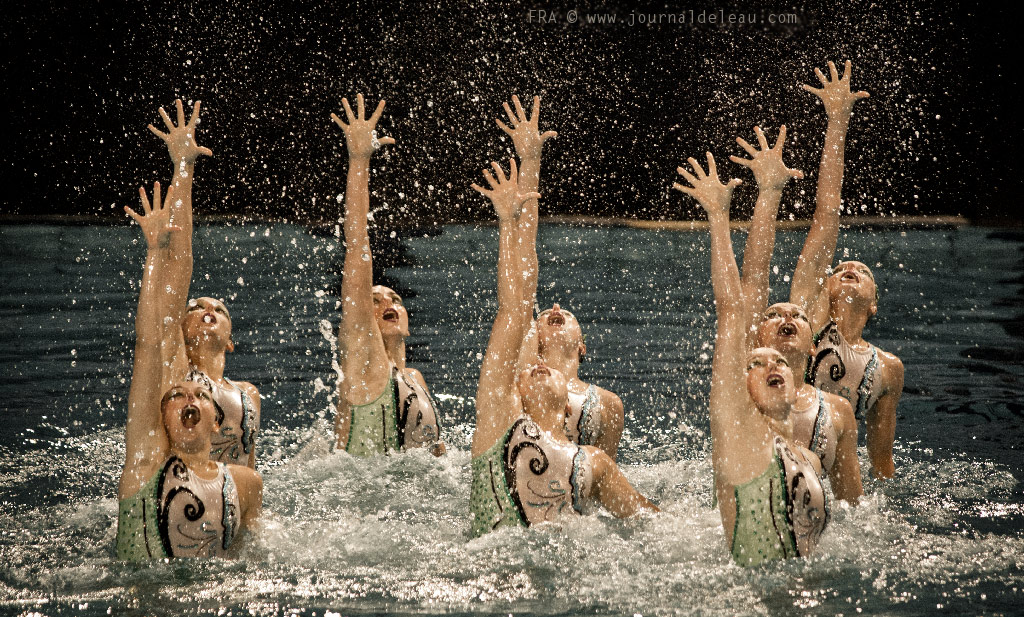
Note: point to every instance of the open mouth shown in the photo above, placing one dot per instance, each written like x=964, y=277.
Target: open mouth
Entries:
x=190, y=416
x=775, y=381
x=787, y=329
x=209, y=318
x=556, y=319
x=850, y=276
x=390, y=315
x=540, y=370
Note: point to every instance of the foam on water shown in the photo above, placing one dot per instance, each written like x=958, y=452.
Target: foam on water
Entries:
x=391, y=533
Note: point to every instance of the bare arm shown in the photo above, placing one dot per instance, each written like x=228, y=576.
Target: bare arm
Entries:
x=740, y=438
x=728, y=390
x=845, y=473
x=529, y=144
x=365, y=361
x=250, y=493
x=881, y=420
x=612, y=419
x=145, y=438
x=771, y=175
x=183, y=150
x=820, y=247
x=497, y=401
x=612, y=488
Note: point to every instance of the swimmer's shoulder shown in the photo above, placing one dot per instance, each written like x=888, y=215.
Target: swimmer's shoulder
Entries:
x=249, y=484
x=891, y=371
x=609, y=399
x=417, y=376
x=843, y=417
x=251, y=391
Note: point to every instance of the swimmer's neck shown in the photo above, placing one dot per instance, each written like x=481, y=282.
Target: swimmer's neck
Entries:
x=567, y=361
x=395, y=348
x=198, y=462
x=781, y=425
x=549, y=421
x=850, y=320
x=211, y=363
x=797, y=363
x=554, y=428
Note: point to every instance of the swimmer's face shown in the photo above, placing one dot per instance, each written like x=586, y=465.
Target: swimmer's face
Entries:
x=785, y=328
x=189, y=416
x=207, y=319
x=852, y=281
x=770, y=381
x=391, y=315
x=557, y=327
x=543, y=389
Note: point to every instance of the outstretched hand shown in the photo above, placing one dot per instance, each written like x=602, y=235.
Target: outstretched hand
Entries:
x=526, y=137
x=766, y=163
x=504, y=192
x=156, y=219
x=835, y=93
x=181, y=139
x=360, y=131
x=706, y=188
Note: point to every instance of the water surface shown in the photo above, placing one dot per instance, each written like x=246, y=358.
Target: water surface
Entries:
x=390, y=534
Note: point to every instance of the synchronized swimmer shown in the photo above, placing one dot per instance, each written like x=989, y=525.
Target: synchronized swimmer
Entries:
x=790, y=380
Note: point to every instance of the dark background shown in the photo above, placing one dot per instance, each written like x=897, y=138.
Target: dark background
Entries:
x=937, y=136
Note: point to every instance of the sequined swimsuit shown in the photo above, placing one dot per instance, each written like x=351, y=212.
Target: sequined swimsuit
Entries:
x=584, y=423
x=781, y=513
x=239, y=424
x=178, y=514
x=840, y=369
x=403, y=416
x=526, y=478
x=814, y=429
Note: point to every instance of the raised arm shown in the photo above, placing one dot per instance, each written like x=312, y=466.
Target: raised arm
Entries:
x=771, y=175
x=364, y=361
x=497, y=400
x=145, y=438
x=180, y=140
x=728, y=404
x=529, y=143
x=820, y=247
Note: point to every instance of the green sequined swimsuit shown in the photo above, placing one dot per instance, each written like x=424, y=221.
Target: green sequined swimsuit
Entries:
x=526, y=478
x=403, y=416
x=176, y=513
x=781, y=513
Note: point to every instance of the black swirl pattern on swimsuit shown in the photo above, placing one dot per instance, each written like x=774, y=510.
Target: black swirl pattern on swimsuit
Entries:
x=417, y=423
x=806, y=502
x=196, y=517
x=833, y=364
x=539, y=473
x=238, y=425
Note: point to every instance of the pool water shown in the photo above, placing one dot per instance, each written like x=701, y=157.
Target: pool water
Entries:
x=349, y=536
